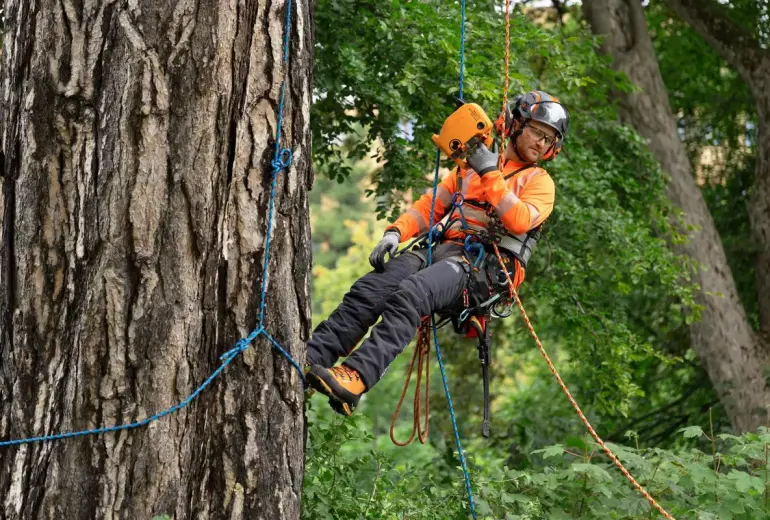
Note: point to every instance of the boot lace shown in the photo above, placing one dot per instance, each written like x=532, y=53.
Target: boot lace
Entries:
x=345, y=373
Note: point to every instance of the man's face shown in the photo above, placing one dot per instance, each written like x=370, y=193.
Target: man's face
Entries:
x=534, y=141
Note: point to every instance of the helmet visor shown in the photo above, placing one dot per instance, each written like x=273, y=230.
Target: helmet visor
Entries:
x=553, y=114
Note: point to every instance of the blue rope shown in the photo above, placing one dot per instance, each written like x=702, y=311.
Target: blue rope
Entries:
x=460, y=452
x=433, y=208
x=454, y=421
x=226, y=359
x=286, y=355
x=281, y=160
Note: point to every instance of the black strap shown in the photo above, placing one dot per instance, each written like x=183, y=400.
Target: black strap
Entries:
x=483, y=337
x=525, y=167
x=459, y=181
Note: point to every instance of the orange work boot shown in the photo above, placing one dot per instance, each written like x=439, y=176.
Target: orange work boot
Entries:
x=341, y=384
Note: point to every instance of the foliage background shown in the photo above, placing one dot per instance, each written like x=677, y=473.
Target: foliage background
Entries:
x=607, y=297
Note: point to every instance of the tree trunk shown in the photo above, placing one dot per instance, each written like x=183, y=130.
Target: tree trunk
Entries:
x=137, y=139
x=748, y=57
x=759, y=202
x=723, y=339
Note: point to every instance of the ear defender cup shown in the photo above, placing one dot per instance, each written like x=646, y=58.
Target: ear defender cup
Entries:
x=512, y=112
x=552, y=152
x=506, y=118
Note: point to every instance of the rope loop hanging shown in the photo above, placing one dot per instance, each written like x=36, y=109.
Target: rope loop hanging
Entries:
x=421, y=355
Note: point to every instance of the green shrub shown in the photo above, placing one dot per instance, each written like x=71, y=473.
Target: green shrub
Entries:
x=727, y=481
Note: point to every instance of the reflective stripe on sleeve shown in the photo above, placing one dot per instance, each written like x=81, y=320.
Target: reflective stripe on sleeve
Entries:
x=467, y=182
x=443, y=196
x=509, y=201
x=422, y=226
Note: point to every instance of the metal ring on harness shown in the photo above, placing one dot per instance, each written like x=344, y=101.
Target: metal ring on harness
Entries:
x=502, y=280
x=458, y=199
x=466, y=313
x=498, y=311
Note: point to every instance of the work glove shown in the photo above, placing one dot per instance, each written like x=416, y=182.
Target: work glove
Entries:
x=388, y=244
x=482, y=159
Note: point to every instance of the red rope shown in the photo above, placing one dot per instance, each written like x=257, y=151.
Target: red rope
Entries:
x=422, y=356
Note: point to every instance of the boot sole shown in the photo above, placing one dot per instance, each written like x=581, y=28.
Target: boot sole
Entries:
x=338, y=404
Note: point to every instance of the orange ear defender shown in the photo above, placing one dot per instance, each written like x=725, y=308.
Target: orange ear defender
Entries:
x=466, y=127
x=552, y=152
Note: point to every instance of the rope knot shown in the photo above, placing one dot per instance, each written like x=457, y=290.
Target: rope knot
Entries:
x=282, y=160
x=241, y=345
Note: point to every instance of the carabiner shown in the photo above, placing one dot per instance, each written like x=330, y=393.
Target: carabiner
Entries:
x=501, y=279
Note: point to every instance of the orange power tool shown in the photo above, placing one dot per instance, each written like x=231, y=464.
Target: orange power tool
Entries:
x=465, y=128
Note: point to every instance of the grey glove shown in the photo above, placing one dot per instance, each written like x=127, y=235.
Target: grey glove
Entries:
x=482, y=159
x=388, y=244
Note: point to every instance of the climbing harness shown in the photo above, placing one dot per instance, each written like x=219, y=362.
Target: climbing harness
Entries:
x=489, y=270
x=281, y=161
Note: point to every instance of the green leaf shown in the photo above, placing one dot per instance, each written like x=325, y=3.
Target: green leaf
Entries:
x=592, y=470
x=691, y=432
x=510, y=498
x=744, y=482
x=551, y=451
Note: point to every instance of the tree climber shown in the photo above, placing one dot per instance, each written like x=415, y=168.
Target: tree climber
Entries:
x=509, y=199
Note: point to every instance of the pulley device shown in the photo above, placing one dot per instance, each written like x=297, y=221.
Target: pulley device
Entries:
x=464, y=129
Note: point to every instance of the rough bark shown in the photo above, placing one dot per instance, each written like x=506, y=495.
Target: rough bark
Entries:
x=137, y=138
x=745, y=54
x=723, y=339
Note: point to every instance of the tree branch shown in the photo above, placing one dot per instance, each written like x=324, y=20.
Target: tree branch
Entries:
x=733, y=43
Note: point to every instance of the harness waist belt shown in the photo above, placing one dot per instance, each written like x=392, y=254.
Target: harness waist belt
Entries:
x=520, y=246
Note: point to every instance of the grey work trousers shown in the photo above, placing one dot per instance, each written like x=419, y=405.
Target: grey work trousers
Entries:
x=406, y=291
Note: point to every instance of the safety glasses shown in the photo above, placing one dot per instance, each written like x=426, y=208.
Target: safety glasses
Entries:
x=540, y=136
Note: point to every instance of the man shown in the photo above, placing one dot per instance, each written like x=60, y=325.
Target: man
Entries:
x=509, y=199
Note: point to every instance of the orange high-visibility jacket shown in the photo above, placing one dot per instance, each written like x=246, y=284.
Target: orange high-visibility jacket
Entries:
x=510, y=198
